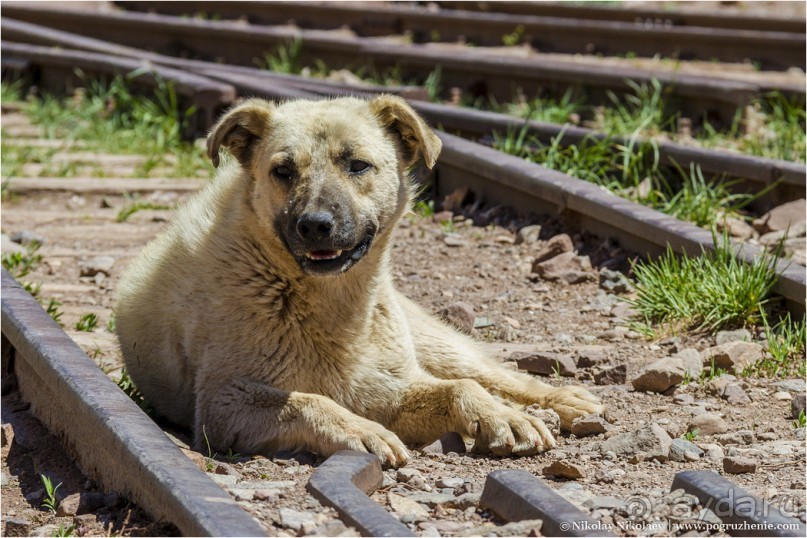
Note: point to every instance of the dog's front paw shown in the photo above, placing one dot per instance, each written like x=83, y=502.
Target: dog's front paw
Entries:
x=572, y=402
x=365, y=435
x=506, y=431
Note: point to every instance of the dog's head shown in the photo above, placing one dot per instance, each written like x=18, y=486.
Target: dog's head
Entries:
x=327, y=176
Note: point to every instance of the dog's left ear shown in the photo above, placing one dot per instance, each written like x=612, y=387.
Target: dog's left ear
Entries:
x=239, y=129
x=417, y=138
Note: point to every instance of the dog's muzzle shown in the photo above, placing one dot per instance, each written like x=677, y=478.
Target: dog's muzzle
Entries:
x=322, y=247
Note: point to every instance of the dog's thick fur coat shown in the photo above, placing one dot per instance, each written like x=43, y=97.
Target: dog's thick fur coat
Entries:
x=265, y=316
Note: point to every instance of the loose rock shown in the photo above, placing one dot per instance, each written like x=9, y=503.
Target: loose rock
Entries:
x=616, y=375
x=98, y=264
x=545, y=363
x=588, y=356
x=589, y=425
x=554, y=247
x=735, y=395
x=407, y=508
x=680, y=447
x=7, y=246
x=707, y=424
x=797, y=405
x=781, y=217
x=564, y=469
x=614, y=281
x=568, y=267
x=17, y=526
x=659, y=376
x=528, y=234
x=742, y=437
x=733, y=356
x=738, y=465
x=650, y=440
x=448, y=442
x=297, y=520
x=725, y=337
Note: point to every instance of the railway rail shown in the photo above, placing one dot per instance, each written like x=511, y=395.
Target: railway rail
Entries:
x=771, y=49
x=490, y=75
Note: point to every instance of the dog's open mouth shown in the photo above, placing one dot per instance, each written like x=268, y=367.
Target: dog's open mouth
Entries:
x=324, y=262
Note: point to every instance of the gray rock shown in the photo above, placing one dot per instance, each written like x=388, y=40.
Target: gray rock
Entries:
x=651, y=441
x=733, y=356
x=98, y=264
x=554, y=247
x=691, y=361
x=605, y=502
x=297, y=520
x=568, y=267
x=791, y=385
x=575, y=493
x=452, y=483
x=406, y=474
x=588, y=356
x=454, y=240
x=772, y=239
x=223, y=480
x=546, y=363
x=659, y=376
x=781, y=217
x=714, y=453
x=615, y=375
x=564, y=469
x=7, y=246
x=739, y=465
x=739, y=335
x=445, y=526
x=461, y=315
x=741, y=437
x=334, y=527
x=614, y=281
x=707, y=424
x=46, y=531
x=17, y=526
x=433, y=500
x=77, y=504
x=734, y=394
x=528, y=234
x=26, y=237
x=797, y=405
x=683, y=399
x=468, y=500
x=589, y=425
x=3, y=478
x=448, y=442
x=526, y=527
x=408, y=508
x=480, y=322
x=680, y=447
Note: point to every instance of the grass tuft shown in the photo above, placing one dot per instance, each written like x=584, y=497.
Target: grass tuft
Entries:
x=87, y=323
x=786, y=356
x=51, y=502
x=712, y=291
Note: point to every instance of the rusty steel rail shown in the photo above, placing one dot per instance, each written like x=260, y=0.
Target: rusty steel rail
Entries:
x=502, y=179
x=113, y=441
x=631, y=13
x=771, y=49
x=487, y=74
x=55, y=69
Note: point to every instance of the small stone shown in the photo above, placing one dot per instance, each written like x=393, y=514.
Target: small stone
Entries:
x=223, y=480
x=734, y=394
x=691, y=360
x=555, y=246
x=683, y=399
x=738, y=465
x=527, y=527
x=35, y=496
x=7, y=246
x=616, y=375
x=588, y=356
x=443, y=217
x=528, y=234
x=782, y=396
x=196, y=458
x=589, y=425
x=733, y=356
x=406, y=474
x=713, y=452
x=736, y=228
x=46, y=531
x=650, y=440
x=334, y=527
x=545, y=363
x=432, y=500
x=7, y=434
x=98, y=264
x=605, y=502
x=461, y=315
x=481, y=322
x=17, y=526
x=448, y=442
x=297, y=520
x=264, y=495
x=454, y=240
x=742, y=437
x=564, y=469
x=707, y=424
x=468, y=500
x=797, y=405
x=659, y=376
x=26, y=237
x=614, y=281
x=725, y=337
x=405, y=507
x=781, y=217
x=568, y=267
x=451, y=483
x=791, y=385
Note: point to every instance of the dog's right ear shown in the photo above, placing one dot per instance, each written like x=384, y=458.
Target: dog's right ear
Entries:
x=239, y=129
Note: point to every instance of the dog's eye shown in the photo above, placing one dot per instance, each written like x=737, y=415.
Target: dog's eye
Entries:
x=283, y=172
x=357, y=167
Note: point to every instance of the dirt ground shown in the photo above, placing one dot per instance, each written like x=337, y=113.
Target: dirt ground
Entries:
x=470, y=257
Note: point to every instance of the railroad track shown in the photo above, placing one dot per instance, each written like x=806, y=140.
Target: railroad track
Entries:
x=115, y=443
x=495, y=76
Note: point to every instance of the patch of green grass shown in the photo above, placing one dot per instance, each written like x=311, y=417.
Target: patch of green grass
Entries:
x=691, y=436
x=644, y=111
x=284, y=58
x=137, y=205
x=53, y=310
x=87, y=323
x=51, y=502
x=514, y=38
x=64, y=531
x=786, y=355
x=547, y=109
x=712, y=291
x=109, y=117
x=800, y=420
x=712, y=372
x=20, y=264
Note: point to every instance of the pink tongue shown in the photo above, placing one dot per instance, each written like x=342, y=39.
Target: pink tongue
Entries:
x=323, y=254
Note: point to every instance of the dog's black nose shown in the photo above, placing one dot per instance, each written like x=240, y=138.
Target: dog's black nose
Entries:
x=315, y=226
